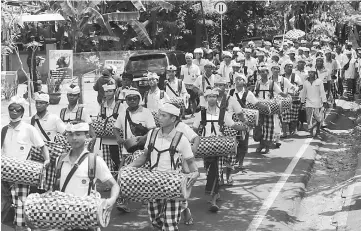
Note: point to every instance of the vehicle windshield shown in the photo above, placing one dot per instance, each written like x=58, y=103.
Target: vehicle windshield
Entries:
x=152, y=63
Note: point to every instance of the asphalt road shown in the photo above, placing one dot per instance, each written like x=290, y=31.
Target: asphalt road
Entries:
x=263, y=197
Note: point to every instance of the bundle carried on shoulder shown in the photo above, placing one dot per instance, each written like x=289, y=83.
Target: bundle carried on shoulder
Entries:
x=216, y=146
x=18, y=171
x=139, y=184
x=104, y=127
x=274, y=106
x=59, y=210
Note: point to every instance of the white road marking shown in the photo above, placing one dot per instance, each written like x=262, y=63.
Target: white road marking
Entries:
x=257, y=220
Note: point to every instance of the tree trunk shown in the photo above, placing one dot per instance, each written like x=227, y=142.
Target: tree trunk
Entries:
x=204, y=22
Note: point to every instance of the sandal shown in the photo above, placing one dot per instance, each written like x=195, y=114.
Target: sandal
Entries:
x=190, y=220
x=214, y=208
x=266, y=151
x=230, y=181
x=259, y=150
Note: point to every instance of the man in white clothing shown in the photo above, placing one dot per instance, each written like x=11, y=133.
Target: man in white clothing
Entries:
x=225, y=67
x=203, y=82
x=313, y=94
x=155, y=97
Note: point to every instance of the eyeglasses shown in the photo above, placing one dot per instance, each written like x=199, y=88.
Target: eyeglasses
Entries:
x=134, y=98
x=15, y=109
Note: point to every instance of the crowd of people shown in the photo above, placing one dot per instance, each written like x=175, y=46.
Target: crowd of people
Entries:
x=217, y=93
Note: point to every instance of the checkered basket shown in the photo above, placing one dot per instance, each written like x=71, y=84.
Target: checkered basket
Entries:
x=55, y=150
x=58, y=210
x=251, y=116
x=103, y=127
x=139, y=184
x=285, y=102
x=272, y=104
x=228, y=131
x=216, y=146
x=18, y=171
x=178, y=102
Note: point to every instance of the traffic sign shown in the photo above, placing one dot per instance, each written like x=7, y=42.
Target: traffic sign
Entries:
x=220, y=7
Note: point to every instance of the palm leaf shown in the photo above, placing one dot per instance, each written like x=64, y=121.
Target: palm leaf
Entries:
x=96, y=16
x=139, y=5
x=123, y=16
x=139, y=28
x=107, y=38
x=165, y=5
x=68, y=9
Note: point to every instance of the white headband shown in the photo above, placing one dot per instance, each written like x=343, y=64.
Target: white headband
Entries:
x=80, y=127
x=75, y=90
x=170, y=108
x=18, y=100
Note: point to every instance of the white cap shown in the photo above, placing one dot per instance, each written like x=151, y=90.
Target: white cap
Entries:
x=41, y=97
x=171, y=68
x=132, y=91
x=209, y=63
x=220, y=80
x=239, y=75
x=240, y=56
x=311, y=69
x=109, y=86
x=198, y=51
x=72, y=89
x=18, y=100
x=170, y=108
x=292, y=51
x=236, y=49
x=189, y=55
x=288, y=62
x=227, y=53
x=236, y=64
x=347, y=52
x=152, y=75
x=249, y=50
x=211, y=92
x=267, y=43
x=79, y=127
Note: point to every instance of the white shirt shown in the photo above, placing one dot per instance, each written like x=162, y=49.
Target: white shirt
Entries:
x=154, y=101
x=72, y=114
x=190, y=73
x=19, y=140
x=314, y=94
x=341, y=58
x=233, y=104
x=163, y=142
x=79, y=182
x=324, y=75
x=264, y=90
x=225, y=70
x=302, y=74
x=186, y=130
x=109, y=109
x=51, y=124
x=174, y=84
x=227, y=122
x=283, y=81
x=200, y=64
x=141, y=115
x=251, y=65
x=330, y=66
x=350, y=72
x=203, y=87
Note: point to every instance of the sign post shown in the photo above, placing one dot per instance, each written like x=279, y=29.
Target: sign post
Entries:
x=221, y=9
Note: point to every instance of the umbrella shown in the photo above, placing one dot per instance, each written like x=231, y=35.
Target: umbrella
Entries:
x=294, y=34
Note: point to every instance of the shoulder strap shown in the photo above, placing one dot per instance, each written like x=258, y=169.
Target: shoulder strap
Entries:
x=161, y=94
x=244, y=96
x=171, y=89
x=293, y=76
x=41, y=129
x=179, y=86
x=258, y=86
x=271, y=88
x=103, y=113
x=4, y=130
x=222, y=112
x=203, y=122
x=173, y=146
x=72, y=171
x=79, y=114
x=153, y=136
x=58, y=167
x=116, y=109
x=62, y=114
x=32, y=122
x=146, y=98
x=231, y=92
x=92, y=158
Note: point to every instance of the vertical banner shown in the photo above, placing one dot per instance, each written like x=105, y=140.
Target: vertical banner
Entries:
x=119, y=64
x=61, y=64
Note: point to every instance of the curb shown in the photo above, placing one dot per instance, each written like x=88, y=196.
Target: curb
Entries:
x=331, y=117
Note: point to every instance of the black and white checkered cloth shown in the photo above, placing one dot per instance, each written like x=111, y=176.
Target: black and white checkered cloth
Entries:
x=216, y=146
x=268, y=128
x=19, y=193
x=165, y=214
x=139, y=184
x=104, y=131
x=286, y=116
x=156, y=118
x=294, y=112
x=58, y=210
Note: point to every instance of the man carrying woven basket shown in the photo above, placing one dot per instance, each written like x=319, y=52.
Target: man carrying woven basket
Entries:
x=17, y=138
x=165, y=214
x=73, y=169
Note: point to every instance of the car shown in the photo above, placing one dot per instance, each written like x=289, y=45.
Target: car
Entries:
x=153, y=61
x=258, y=41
